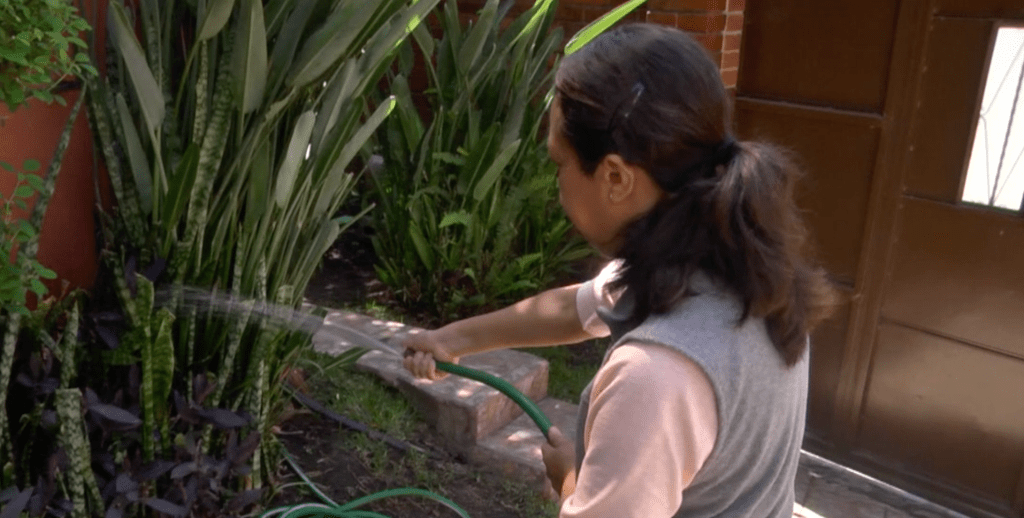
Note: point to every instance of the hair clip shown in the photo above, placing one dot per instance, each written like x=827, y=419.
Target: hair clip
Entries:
x=638, y=90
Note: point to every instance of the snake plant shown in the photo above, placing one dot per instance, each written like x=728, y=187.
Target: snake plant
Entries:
x=229, y=129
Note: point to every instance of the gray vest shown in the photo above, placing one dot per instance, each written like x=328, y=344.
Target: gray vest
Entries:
x=761, y=402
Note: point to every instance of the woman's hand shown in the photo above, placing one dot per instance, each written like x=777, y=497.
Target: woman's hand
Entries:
x=560, y=461
x=422, y=348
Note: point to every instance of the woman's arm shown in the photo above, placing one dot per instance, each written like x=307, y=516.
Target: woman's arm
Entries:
x=651, y=425
x=549, y=318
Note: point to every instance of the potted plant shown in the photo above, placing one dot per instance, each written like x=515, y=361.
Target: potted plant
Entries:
x=37, y=50
x=42, y=60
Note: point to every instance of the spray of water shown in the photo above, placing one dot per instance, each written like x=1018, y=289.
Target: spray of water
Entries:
x=180, y=299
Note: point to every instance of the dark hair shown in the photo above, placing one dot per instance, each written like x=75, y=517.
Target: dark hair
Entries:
x=652, y=95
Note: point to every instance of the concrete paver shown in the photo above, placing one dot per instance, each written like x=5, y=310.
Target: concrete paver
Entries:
x=515, y=449
x=461, y=410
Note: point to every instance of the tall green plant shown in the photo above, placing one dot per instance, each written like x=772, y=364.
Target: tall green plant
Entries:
x=228, y=128
x=467, y=213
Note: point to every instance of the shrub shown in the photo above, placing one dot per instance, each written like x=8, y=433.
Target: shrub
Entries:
x=467, y=213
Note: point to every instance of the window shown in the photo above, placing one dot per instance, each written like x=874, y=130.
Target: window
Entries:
x=995, y=172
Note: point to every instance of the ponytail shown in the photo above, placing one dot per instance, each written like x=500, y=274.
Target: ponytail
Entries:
x=739, y=224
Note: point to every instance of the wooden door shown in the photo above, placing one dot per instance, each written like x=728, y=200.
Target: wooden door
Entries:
x=919, y=380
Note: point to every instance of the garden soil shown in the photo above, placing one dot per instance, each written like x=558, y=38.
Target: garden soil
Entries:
x=347, y=279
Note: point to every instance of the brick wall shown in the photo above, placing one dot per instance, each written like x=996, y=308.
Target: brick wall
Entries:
x=716, y=24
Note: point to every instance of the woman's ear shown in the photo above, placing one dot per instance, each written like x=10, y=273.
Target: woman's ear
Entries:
x=628, y=188
x=618, y=178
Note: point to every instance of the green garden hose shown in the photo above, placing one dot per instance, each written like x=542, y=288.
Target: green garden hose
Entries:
x=365, y=341
x=350, y=510
x=504, y=387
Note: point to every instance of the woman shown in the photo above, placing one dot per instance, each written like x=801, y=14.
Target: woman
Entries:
x=698, y=408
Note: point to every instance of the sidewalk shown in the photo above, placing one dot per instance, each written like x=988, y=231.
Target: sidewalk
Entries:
x=830, y=490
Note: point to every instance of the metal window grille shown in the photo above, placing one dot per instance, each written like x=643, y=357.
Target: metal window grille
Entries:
x=995, y=171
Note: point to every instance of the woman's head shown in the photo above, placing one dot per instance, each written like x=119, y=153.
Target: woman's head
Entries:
x=648, y=93
x=647, y=100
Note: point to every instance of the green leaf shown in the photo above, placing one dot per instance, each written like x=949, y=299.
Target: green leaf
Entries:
x=598, y=26
x=287, y=41
x=257, y=201
x=180, y=185
x=6, y=166
x=422, y=247
x=162, y=356
x=215, y=18
x=293, y=158
x=37, y=287
x=491, y=176
x=24, y=191
x=36, y=182
x=332, y=41
x=136, y=157
x=337, y=96
x=251, y=51
x=45, y=272
x=387, y=41
x=144, y=296
x=449, y=158
x=355, y=143
x=456, y=218
x=148, y=95
x=408, y=117
x=474, y=42
x=540, y=9
x=30, y=166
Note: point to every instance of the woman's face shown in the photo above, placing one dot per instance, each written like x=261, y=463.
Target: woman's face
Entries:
x=581, y=195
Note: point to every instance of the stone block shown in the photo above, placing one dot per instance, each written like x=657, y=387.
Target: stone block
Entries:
x=461, y=410
x=515, y=449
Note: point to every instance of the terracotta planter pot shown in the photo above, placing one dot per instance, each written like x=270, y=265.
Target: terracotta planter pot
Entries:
x=67, y=242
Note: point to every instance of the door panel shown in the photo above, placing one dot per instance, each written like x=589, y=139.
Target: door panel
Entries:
x=838, y=155
x=939, y=409
x=839, y=50
x=919, y=379
x=826, y=362
x=980, y=9
x=944, y=400
x=951, y=82
x=959, y=272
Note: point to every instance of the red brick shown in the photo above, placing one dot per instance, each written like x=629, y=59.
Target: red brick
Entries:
x=734, y=22
x=471, y=6
x=686, y=5
x=732, y=42
x=712, y=42
x=730, y=60
x=570, y=13
x=604, y=3
x=729, y=77
x=662, y=18
x=737, y=6
x=706, y=23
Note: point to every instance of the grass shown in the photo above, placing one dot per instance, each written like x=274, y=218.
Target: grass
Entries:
x=571, y=367
x=364, y=398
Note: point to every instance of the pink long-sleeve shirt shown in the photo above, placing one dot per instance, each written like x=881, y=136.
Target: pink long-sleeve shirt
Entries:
x=651, y=425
